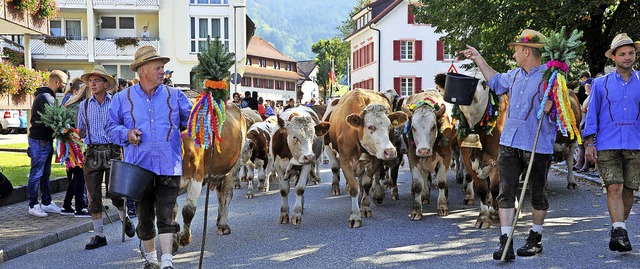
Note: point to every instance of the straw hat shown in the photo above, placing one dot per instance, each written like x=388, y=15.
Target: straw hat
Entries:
x=530, y=38
x=146, y=54
x=619, y=41
x=99, y=70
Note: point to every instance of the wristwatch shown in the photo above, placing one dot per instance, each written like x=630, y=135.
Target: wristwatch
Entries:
x=590, y=144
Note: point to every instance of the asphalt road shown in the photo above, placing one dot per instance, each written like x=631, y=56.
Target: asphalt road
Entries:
x=575, y=235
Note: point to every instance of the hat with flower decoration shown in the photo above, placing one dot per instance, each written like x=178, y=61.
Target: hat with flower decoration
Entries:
x=530, y=38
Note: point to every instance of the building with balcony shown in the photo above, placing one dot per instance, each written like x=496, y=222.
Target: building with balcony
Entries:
x=101, y=32
x=389, y=50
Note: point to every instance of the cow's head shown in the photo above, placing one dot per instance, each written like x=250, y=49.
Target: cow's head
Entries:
x=424, y=128
x=247, y=150
x=373, y=125
x=301, y=132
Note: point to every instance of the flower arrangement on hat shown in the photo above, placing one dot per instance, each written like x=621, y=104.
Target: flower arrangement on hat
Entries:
x=560, y=50
x=209, y=110
x=69, y=145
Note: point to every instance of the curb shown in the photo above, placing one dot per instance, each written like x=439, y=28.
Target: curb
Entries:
x=19, y=194
x=14, y=150
x=13, y=251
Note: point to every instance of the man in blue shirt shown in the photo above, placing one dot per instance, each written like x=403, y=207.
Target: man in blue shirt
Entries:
x=525, y=87
x=146, y=119
x=613, y=118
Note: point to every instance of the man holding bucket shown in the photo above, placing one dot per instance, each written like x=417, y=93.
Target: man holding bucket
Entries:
x=524, y=86
x=92, y=117
x=146, y=119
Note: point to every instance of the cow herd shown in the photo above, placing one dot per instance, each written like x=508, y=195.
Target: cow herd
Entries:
x=364, y=134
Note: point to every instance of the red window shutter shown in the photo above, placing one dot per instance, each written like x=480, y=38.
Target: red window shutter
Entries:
x=418, y=47
x=371, y=53
x=396, y=50
x=396, y=86
x=439, y=50
x=353, y=60
x=411, y=18
x=418, y=85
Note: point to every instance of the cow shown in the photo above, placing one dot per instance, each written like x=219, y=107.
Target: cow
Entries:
x=389, y=171
x=296, y=146
x=481, y=164
x=564, y=147
x=250, y=117
x=198, y=164
x=255, y=155
x=428, y=135
x=359, y=133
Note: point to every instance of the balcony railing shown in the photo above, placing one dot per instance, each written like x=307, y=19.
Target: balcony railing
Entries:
x=107, y=48
x=126, y=2
x=73, y=48
x=72, y=3
x=7, y=43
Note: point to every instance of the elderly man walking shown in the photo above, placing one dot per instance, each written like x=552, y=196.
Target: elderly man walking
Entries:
x=146, y=119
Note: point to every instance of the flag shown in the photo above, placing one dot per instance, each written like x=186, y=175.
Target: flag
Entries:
x=332, y=76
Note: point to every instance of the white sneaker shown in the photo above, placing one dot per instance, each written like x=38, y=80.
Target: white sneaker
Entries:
x=36, y=211
x=51, y=208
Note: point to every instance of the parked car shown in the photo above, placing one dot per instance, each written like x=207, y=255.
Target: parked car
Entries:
x=4, y=126
x=16, y=120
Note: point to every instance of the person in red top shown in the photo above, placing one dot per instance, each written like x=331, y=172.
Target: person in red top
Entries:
x=261, y=108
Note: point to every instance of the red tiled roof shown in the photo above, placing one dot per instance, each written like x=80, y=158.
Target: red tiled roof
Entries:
x=253, y=71
x=261, y=48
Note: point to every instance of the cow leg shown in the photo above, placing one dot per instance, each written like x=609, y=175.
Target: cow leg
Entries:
x=426, y=186
x=417, y=184
x=484, y=220
x=469, y=197
x=377, y=191
x=335, y=170
x=243, y=172
x=366, y=182
x=568, y=156
x=441, y=181
x=355, y=218
x=393, y=181
x=315, y=172
x=225, y=193
x=262, y=174
x=250, y=189
x=284, y=193
x=296, y=218
x=189, y=210
x=237, y=169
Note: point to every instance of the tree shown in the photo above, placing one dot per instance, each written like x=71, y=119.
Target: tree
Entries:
x=490, y=24
x=325, y=50
x=349, y=25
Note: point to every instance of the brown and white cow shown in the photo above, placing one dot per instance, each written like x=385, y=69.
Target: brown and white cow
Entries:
x=482, y=164
x=196, y=164
x=428, y=137
x=255, y=155
x=360, y=124
x=296, y=147
x=564, y=147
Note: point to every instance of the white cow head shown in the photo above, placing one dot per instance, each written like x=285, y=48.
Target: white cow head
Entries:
x=373, y=125
x=474, y=112
x=301, y=131
x=424, y=129
x=247, y=149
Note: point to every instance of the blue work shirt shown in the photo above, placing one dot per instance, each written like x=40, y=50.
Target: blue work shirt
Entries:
x=525, y=92
x=614, y=112
x=94, y=119
x=159, y=118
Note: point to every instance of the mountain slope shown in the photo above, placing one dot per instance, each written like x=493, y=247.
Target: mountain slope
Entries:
x=293, y=26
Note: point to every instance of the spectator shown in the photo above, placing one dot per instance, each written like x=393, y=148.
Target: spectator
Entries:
x=72, y=90
x=582, y=164
x=585, y=84
x=135, y=81
x=261, y=110
x=290, y=104
x=100, y=151
x=252, y=100
x=122, y=84
x=611, y=136
x=152, y=141
x=40, y=148
x=236, y=100
x=312, y=102
x=145, y=33
x=167, y=78
x=245, y=100
x=270, y=109
x=440, y=80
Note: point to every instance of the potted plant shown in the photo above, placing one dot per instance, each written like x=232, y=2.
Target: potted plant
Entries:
x=31, y=5
x=47, y=9
x=13, y=56
x=55, y=41
x=29, y=80
x=9, y=80
x=122, y=42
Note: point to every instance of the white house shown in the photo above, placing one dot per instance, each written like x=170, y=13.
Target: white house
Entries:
x=308, y=86
x=390, y=51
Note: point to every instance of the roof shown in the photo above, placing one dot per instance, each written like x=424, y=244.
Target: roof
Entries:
x=261, y=48
x=379, y=9
x=253, y=71
x=306, y=67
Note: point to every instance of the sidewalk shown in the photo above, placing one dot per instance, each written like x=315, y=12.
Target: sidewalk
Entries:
x=21, y=233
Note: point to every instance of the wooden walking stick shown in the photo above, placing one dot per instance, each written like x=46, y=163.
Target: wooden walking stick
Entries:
x=206, y=212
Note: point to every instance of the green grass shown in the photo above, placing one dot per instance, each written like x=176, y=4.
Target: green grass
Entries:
x=16, y=166
x=15, y=146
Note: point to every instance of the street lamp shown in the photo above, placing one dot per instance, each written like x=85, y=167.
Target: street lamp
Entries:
x=235, y=46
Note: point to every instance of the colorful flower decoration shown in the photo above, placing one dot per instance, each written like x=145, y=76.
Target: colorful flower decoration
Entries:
x=528, y=39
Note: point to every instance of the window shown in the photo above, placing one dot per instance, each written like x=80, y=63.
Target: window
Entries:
x=287, y=66
x=291, y=86
x=248, y=61
x=117, y=23
x=257, y=82
x=279, y=84
x=55, y=28
x=276, y=65
x=108, y=23
x=73, y=29
x=246, y=81
x=407, y=50
x=406, y=86
x=262, y=62
x=203, y=27
x=126, y=23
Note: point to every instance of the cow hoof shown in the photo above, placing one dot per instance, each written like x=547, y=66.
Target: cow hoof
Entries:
x=185, y=238
x=366, y=212
x=443, y=212
x=237, y=186
x=483, y=224
x=415, y=216
x=284, y=218
x=425, y=201
x=249, y=195
x=378, y=201
x=468, y=201
x=296, y=220
x=395, y=197
x=335, y=191
x=224, y=230
x=572, y=185
x=355, y=223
